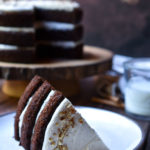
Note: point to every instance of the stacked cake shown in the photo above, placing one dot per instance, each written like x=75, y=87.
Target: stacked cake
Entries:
x=59, y=31
x=49, y=29
x=46, y=120
x=17, y=35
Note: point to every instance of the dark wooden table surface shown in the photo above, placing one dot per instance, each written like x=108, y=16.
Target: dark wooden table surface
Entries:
x=87, y=91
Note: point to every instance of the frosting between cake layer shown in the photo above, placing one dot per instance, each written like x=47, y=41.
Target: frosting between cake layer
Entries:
x=12, y=47
x=22, y=115
x=51, y=5
x=55, y=25
x=60, y=43
x=68, y=130
x=16, y=29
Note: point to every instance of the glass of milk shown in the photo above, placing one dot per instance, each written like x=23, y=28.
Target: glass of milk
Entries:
x=137, y=90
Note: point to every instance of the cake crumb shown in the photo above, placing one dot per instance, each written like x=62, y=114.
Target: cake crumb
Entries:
x=56, y=124
x=62, y=118
x=80, y=120
x=72, y=110
x=53, y=143
x=72, y=123
x=61, y=147
x=50, y=139
x=62, y=113
x=54, y=134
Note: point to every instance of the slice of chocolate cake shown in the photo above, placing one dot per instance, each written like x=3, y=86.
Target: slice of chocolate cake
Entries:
x=48, y=121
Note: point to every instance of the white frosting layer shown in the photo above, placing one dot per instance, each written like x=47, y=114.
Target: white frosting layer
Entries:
x=16, y=29
x=45, y=102
x=22, y=115
x=51, y=5
x=68, y=130
x=61, y=43
x=12, y=47
x=55, y=25
x=15, y=6
x=58, y=5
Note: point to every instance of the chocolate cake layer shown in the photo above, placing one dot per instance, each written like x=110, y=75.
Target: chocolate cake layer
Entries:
x=43, y=120
x=74, y=16
x=17, y=36
x=11, y=53
x=61, y=11
x=69, y=50
x=16, y=18
x=29, y=91
x=59, y=32
x=31, y=114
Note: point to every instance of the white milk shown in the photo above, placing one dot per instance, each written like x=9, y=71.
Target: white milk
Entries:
x=137, y=96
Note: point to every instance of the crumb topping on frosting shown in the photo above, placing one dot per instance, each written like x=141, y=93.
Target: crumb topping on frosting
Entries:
x=67, y=119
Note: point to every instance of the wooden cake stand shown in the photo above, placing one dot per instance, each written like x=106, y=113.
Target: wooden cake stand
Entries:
x=63, y=74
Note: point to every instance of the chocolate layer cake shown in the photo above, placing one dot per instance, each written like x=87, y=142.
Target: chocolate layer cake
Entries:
x=49, y=10
x=46, y=120
x=24, y=24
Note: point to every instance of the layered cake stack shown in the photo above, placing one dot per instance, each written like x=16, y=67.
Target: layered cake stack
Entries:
x=46, y=120
x=43, y=29
x=59, y=32
x=17, y=35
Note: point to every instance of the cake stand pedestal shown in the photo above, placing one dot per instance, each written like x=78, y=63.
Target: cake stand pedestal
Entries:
x=63, y=74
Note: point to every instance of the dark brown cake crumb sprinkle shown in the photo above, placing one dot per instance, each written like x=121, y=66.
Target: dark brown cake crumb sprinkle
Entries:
x=56, y=124
x=53, y=143
x=50, y=139
x=61, y=147
x=80, y=120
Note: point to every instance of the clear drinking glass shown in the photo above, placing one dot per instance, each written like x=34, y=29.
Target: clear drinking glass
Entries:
x=137, y=90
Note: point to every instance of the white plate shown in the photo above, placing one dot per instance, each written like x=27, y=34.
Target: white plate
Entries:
x=117, y=131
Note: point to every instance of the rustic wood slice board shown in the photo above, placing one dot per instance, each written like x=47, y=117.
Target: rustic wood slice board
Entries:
x=96, y=60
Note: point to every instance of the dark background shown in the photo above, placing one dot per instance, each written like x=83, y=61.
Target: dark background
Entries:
x=119, y=26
